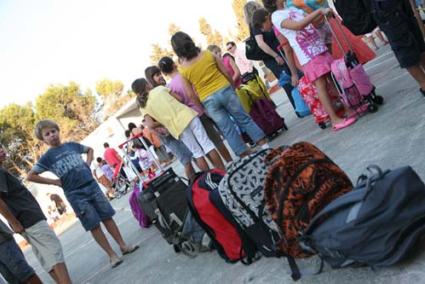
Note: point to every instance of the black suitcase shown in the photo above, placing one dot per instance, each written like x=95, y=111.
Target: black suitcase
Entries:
x=164, y=201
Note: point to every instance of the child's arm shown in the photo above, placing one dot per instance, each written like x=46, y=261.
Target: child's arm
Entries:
x=299, y=25
x=35, y=177
x=289, y=53
x=90, y=154
x=188, y=89
x=11, y=219
x=267, y=49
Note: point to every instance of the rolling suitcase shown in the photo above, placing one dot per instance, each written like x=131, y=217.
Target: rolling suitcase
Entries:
x=351, y=80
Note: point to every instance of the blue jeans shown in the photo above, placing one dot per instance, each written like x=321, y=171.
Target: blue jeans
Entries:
x=13, y=266
x=90, y=205
x=225, y=103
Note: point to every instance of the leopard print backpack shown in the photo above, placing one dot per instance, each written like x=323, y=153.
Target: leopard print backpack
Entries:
x=301, y=181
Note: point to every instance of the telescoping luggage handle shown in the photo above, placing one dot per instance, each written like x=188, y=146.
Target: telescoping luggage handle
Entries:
x=336, y=38
x=151, y=156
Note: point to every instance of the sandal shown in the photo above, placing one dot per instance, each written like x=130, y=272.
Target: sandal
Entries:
x=115, y=261
x=422, y=92
x=345, y=123
x=129, y=249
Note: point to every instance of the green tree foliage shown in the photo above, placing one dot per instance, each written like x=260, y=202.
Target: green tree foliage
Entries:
x=158, y=52
x=71, y=109
x=212, y=36
x=113, y=96
x=241, y=26
x=16, y=135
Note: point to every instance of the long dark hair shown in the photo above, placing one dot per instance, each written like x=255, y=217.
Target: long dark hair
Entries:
x=270, y=5
x=150, y=72
x=183, y=46
x=139, y=88
x=259, y=17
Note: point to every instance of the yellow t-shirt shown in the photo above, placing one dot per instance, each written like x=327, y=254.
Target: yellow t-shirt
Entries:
x=205, y=75
x=168, y=111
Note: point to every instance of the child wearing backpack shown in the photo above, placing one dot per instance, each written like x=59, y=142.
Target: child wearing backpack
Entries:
x=309, y=48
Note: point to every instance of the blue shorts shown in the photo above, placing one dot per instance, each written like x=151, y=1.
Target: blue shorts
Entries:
x=13, y=266
x=178, y=148
x=90, y=205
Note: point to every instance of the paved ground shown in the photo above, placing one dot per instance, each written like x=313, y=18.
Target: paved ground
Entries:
x=392, y=137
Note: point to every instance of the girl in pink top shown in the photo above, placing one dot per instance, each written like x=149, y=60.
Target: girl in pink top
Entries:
x=310, y=49
x=229, y=63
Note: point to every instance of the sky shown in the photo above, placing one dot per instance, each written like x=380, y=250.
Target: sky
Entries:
x=46, y=42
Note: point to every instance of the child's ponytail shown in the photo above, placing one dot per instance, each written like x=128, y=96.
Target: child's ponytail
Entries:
x=139, y=87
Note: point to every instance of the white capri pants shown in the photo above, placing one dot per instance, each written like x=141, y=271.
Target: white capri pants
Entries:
x=196, y=139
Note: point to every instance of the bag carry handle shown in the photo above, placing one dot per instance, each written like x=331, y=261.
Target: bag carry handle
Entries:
x=297, y=273
x=343, y=35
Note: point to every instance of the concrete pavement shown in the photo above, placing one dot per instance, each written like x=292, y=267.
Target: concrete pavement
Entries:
x=392, y=137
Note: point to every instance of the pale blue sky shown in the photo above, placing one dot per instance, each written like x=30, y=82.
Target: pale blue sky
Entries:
x=46, y=42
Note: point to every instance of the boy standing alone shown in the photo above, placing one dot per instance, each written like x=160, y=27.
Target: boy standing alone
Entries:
x=79, y=186
x=25, y=217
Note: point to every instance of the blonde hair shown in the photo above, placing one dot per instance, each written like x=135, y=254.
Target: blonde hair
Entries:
x=214, y=48
x=248, y=11
x=43, y=124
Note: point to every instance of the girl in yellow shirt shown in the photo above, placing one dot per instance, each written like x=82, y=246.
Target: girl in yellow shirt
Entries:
x=215, y=90
x=161, y=109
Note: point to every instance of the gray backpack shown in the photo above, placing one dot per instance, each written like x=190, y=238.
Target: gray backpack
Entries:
x=242, y=192
x=376, y=224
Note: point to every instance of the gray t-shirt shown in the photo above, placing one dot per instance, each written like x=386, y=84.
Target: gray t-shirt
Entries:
x=5, y=233
x=19, y=200
x=66, y=163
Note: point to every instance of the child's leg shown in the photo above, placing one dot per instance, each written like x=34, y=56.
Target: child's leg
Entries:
x=100, y=238
x=321, y=86
x=201, y=136
x=112, y=229
x=60, y=273
x=189, y=140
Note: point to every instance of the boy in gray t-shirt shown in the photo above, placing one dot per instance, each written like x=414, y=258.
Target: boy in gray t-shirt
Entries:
x=13, y=266
x=81, y=190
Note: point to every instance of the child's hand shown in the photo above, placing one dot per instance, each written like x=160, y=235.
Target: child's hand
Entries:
x=294, y=80
x=279, y=60
x=57, y=182
x=326, y=12
x=16, y=227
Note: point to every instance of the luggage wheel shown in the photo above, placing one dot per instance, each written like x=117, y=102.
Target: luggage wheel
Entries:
x=188, y=249
x=322, y=125
x=372, y=108
x=379, y=100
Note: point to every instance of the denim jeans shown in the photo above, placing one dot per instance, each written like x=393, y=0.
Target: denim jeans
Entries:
x=223, y=104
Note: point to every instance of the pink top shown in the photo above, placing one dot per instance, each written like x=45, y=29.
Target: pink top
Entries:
x=177, y=87
x=243, y=63
x=226, y=62
x=111, y=157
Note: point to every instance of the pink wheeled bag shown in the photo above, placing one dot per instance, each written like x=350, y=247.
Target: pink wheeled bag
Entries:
x=352, y=82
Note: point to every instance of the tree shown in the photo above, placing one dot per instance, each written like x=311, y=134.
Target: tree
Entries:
x=212, y=36
x=173, y=28
x=16, y=135
x=113, y=96
x=241, y=26
x=158, y=52
x=72, y=110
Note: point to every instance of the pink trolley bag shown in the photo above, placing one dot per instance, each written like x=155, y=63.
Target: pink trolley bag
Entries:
x=352, y=81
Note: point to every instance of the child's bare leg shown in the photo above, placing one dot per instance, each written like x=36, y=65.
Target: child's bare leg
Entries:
x=61, y=273
x=321, y=86
x=101, y=239
x=202, y=164
x=112, y=228
x=224, y=152
x=215, y=159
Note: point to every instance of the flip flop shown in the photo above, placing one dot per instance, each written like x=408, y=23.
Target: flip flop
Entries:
x=130, y=249
x=115, y=262
x=345, y=123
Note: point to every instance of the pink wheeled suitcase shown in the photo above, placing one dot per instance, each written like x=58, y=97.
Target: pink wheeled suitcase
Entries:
x=352, y=82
